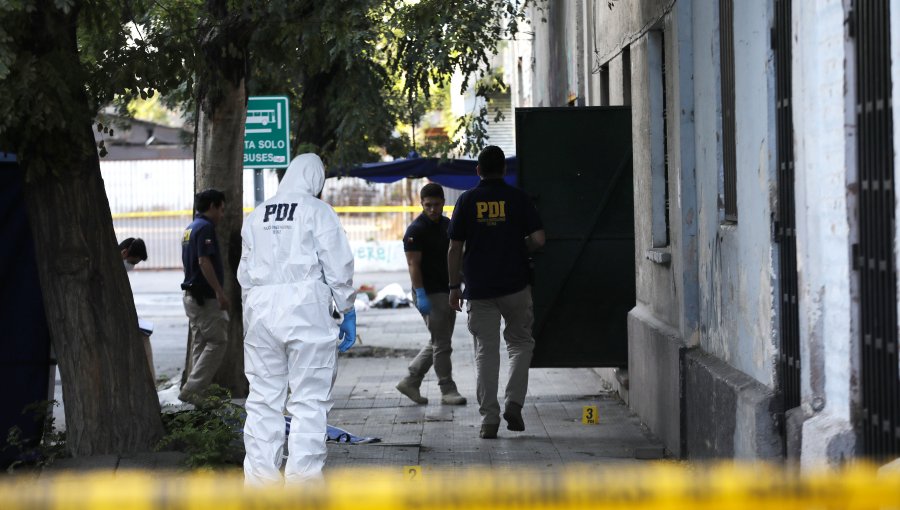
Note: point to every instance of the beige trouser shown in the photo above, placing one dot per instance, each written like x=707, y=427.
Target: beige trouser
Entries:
x=440, y=322
x=149, y=351
x=484, y=324
x=209, y=340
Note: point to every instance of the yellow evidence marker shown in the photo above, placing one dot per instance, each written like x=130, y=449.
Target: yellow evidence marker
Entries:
x=590, y=416
x=413, y=473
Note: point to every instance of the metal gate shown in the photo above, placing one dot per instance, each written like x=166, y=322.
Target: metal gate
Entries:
x=789, y=357
x=726, y=70
x=576, y=165
x=870, y=25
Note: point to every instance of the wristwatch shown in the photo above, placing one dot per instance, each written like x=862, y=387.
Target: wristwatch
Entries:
x=454, y=287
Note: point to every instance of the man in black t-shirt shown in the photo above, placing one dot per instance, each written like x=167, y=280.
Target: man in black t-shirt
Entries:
x=426, y=244
x=204, y=298
x=498, y=226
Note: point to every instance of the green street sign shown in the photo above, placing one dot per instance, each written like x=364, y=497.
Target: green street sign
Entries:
x=266, y=133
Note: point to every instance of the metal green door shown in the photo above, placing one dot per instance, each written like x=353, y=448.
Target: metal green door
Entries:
x=575, y=163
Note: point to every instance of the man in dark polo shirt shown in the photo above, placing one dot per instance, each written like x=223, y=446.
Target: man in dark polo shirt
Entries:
x=426, y=244
x=204, y=299
x=498, y=226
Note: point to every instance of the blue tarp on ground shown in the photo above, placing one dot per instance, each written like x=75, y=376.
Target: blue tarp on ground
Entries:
x=452, y=173
x=336, y=434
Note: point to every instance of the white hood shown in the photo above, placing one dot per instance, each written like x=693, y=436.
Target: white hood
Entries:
x=295, y=242
x=305, y=175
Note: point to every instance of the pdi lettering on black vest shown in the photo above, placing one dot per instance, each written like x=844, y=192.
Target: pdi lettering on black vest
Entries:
x=282, y=212
x=491, y=209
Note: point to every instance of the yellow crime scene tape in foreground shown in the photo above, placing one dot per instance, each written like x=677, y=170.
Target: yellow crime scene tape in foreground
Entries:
x=651, y=486
x=343, y=209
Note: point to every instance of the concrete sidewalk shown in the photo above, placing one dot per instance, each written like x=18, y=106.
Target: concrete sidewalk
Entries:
x=432, y=435
x=367, y=404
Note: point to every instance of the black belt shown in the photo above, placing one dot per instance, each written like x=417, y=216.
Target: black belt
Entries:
x=198, y=293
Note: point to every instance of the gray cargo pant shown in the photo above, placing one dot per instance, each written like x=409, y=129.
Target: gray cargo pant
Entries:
x=208, y=344
x=437, y=351
x=484, y=324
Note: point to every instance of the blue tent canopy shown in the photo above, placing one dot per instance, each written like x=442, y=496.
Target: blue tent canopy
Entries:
x=452, y=173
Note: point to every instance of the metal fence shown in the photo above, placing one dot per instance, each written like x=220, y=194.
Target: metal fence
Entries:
x=874, y=255
x=152, y=200
x=789, y=356
x=726, y=63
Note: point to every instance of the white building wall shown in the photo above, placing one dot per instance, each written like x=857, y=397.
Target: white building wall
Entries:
x=737, y=292
x=713, y=286
x=616, y=89
x=552, y=76
x=737, y=271
x=589, y=45
x=521, y=62
x=684, y=160
x=825, y=165
x=578, y=69
x=655, y=282
x=655, y=324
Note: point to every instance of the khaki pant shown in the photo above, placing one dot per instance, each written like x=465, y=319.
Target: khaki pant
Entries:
x=436, y=352
x=149, y=351
x=209, y=340
x=484, y=324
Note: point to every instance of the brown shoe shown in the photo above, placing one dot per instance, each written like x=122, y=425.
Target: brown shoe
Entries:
x=453, y=398
x=406, y=388
x=489, y=430
x=513, y=417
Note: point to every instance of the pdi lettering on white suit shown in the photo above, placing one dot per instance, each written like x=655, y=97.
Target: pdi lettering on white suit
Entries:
x=282, y=212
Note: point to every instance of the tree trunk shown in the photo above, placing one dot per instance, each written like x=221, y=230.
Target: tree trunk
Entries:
x=219, y=161
x=111, y=405
x=220, y=145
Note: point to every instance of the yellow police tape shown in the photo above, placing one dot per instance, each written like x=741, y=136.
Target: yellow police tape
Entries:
x=344, y=209
x=649, y=486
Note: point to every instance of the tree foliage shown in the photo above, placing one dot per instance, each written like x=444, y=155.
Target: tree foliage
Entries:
x=339, y=62
x=352, y=69
x=38, y=102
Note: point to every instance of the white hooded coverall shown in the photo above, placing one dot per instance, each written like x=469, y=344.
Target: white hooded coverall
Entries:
x=295, y=260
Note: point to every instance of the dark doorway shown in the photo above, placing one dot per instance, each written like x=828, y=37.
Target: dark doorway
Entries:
x=576, y=165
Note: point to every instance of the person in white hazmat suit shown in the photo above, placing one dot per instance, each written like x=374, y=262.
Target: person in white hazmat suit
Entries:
x=295, y=260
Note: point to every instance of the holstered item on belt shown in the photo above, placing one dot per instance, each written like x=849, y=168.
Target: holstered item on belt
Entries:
x=195, y=293
x=531, y=271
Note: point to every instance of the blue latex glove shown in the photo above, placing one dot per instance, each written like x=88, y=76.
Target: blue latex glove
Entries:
x=422, y=302
x=347, y=334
